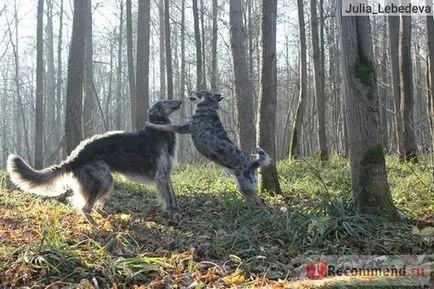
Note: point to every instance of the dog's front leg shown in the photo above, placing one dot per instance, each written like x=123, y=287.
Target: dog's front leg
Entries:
x=182, y=129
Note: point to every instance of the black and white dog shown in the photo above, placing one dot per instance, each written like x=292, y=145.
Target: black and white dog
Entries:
x=211, y=140
x=146, y=155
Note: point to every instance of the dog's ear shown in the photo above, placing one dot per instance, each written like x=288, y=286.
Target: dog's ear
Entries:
x=219, y=96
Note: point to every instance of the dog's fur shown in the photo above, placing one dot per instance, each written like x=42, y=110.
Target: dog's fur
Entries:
x=146, y=155
x=211, y=140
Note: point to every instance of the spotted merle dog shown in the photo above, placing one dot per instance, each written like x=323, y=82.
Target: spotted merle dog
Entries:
x=211, y=140
x=145, y=155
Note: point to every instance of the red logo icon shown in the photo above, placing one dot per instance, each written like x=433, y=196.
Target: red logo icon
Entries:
x=316, y=270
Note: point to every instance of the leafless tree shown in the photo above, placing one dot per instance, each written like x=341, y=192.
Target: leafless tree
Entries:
x=142, y=74
x=318, y=83
x=368, y=167
x=406, y=86
x=131, y=76
x=295, y=149
x=168, y=50
x=74, y=90
x=39, y=114
x=245, y=92
x=268, y=97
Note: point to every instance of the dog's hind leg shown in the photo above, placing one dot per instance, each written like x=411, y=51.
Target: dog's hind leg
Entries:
x=95, y=182
x=247, y=184
x=164, y=185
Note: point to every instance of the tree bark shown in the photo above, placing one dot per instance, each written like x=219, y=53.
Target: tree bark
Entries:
x=214, y=71
x=162, y=51
x=39, y=114
x=318, y=81
x=295, y=144
x=59, y=84
x=119, y=70
x=50, y=86
x=74, y=90
x=393, y=25
x=202, y=34
x=430, y=79
x=142, y=74
x=168, y=50
x=268, y=97
x=199, y=77
x=89, y=108
x=131, y=76
x=406, y=80
x=245, y=92
x=368, y=167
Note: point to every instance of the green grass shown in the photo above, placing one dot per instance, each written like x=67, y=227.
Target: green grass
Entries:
x=216, y=239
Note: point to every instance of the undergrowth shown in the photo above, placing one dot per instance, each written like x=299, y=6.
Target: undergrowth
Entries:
x=216, y=239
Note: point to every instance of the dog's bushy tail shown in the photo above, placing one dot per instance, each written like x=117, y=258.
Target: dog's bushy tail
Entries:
x=45, y=182
x=263, y=159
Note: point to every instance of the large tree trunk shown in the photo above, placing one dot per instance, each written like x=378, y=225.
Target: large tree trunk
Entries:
x=245, y=92
x=383, y=90
x=131, y=76
x=430, y=78
x=50, y=86
x=368, y=167
x=202, y=34
x=268, y=98
x=162, y=50
x=406, y=80
x=200, y=85
x=183, y=139
x=59, y=85
x=119, y=70
x=168, y=50
x=295, y=144
x=214, y=71
x=89, y=108
x=318, y=83
x=393, y=25
x=74, y=90
x=39, y=114
x=142, y=74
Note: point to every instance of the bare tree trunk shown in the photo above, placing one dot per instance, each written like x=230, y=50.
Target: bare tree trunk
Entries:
x=89, y=108
x=162, y=51
x=406, y=80
x=214, y=71
x=295, y=144
x=39, y=114
x=59, y=85
x=74, y=90
x=318, y=81
x=245, y=92
x=50, y=85
x=182, y=138
x=383, y=91
x=119, y=70
x=131, y=76
x=268, y=98
x=199, y=77
x=202, y=34
x=393, y=24
x=368, y=167
x=110, y=89
x=430, y=77
x=168, y=50
x=142, y=73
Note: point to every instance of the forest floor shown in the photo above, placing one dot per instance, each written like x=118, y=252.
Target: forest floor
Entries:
x=216, y=240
